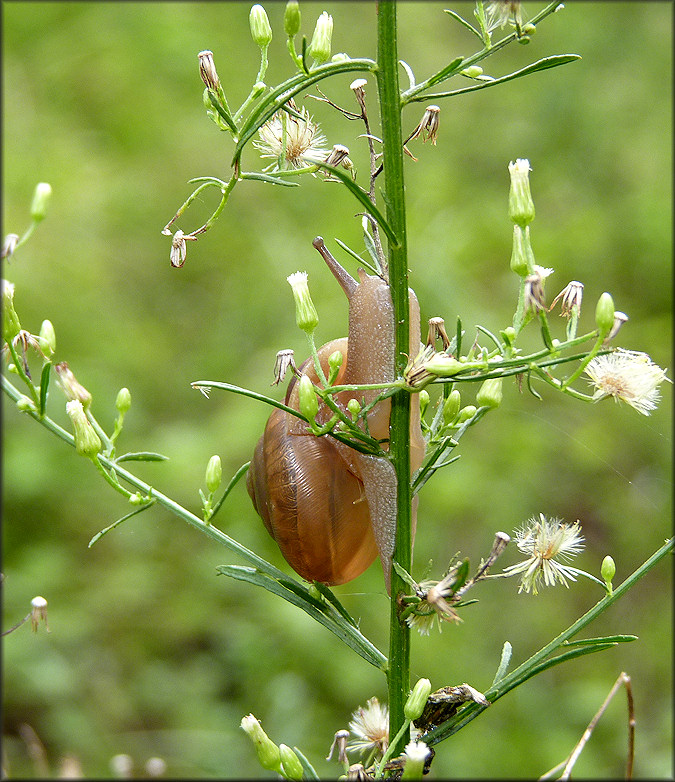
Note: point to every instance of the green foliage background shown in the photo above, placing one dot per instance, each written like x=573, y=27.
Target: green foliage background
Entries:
x=150, y=653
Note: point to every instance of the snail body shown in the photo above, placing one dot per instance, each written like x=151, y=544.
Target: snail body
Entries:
x=330, y=508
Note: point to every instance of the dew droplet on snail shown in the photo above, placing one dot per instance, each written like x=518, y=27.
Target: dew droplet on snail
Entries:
x=330, y=508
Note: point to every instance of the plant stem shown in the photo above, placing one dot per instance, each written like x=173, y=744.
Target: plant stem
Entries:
x=390, y=108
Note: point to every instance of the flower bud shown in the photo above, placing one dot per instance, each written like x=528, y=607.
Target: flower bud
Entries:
x=472, y=71
x=417, y=699
x=529, y=28
x=123, y=401
x=490, y=393
x=47, y=338
x=340, y=57
x=467, y=412
x=451, y=406
x=319, y=48
x=261, y=32
x=290, y=763
x=305, y=312
x=25, y=404
x=443, y=366
x=292, y=18
x=521, y=206
x=267, y=750
x=522, y=257
x=71, y=388
x=38, y=207
x=424, y=402
x=309, y=405
x=87, y=441
x=604, y=313
x=334, y=363
x=607, y=571
x=10, y=320
x=354, y=408
x=214, y=473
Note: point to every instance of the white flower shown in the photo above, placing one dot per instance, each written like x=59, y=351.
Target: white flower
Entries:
x=627, y=375
x=500, y=12
x=293, y=142
x=370, y=726
x=543, y=540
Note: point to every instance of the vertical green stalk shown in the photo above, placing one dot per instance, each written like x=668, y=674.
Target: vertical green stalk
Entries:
x=390, y=116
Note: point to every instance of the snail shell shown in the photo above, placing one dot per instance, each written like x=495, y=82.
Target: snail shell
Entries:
x=330, y=508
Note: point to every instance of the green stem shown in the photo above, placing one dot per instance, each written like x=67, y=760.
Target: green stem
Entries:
x=390, y=107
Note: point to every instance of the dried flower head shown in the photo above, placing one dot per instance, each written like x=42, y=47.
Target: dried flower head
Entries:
x=370, y=727
x=178, y=249
x=8, y=246
x=207, y=70
x=571, y=296
x=619, y=319
x=38, y=612
x=284, y=361
x=545, y=541
x=534, y=297
x=628, y=375
x=292, y=141
x=340, y=744
x=428, y=126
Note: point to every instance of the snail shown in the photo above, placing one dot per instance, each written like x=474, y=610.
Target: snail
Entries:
x=332, y=509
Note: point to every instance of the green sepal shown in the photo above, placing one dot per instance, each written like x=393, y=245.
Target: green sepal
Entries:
x=142, y=456
x=44, y=387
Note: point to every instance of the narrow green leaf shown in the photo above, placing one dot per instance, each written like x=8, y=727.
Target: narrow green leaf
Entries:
x=607, y=639
x=209, y=180
x=273, y=180
x=198, y=384
x=363, y=197
x=328, y=594
x=445, y=73
x=504, y=661
x=308, y=768
x=44, y=386
x=233, y=482
x=370, y=246
x=356, y=256
x=466, y=24
x=142, y=456
x=303, y=593
x=345, y=632
x=134, y=512
x=540, y=65
x=404, y=575
x=221, y=111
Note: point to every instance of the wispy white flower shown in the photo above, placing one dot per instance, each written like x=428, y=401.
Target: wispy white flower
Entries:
x=546, y=541
x=290, y=140
x=501, y=12
x=628, y=375
x=370, y=727
x=434, y=606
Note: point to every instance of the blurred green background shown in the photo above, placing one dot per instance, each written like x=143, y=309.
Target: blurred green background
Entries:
x=150, y=652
